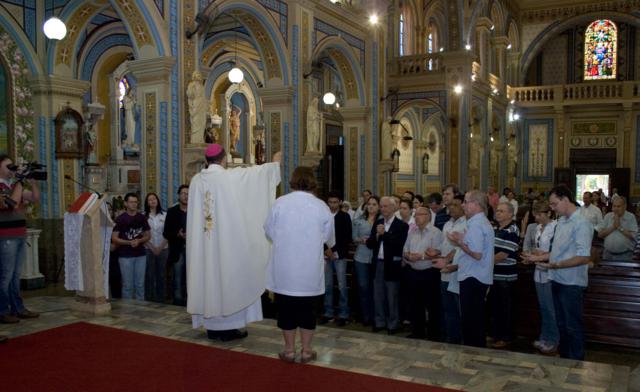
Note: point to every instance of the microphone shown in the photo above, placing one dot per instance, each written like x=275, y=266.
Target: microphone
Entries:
x=68, y=177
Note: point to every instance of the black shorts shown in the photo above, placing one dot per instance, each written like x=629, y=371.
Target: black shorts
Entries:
x=294, y=312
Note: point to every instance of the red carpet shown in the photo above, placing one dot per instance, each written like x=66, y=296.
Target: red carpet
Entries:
x=87, y=357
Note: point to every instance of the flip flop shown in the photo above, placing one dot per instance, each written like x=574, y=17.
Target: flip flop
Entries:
x=289, y=356
x=308, y=356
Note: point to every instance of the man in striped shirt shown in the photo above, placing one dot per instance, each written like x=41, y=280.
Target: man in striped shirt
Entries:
x=505, y=273
x=13, y=230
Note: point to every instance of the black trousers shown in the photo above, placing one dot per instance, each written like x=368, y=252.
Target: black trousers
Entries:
x=423, y=291
x=472, y=309
x=501, y=300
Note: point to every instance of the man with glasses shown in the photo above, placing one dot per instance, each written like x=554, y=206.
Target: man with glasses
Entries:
x=475, y=267
x=422, y=245
x=568, y=270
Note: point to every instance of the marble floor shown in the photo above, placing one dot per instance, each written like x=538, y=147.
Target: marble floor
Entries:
x=450, y=366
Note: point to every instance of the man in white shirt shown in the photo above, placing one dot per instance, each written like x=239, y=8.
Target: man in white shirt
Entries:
x=423, y=281
x=589, y=211
x=619, y=229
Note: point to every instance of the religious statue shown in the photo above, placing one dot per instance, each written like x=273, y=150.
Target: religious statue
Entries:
x=198, y=107
x=129, y=104
x=234, y=129
x=313, y=127
x=259, y=150
x=386, y=137
x=512, y=154
x=90, y=146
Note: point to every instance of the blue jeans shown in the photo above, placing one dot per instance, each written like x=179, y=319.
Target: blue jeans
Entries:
x=156, y=277
x=451, y=311
x=385, y=300
x=548, y=326
x=568, y=301
x=179, y=281
x=340, y=267
x=363, y=275
x=12, y=254
x=133, y=270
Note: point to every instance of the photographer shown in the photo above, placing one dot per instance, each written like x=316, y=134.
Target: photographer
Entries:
x=13, y=231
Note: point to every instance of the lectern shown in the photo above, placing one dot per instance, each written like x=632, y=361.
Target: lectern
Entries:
x=87, y=237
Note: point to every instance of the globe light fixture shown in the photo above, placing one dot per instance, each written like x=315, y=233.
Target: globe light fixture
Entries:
x=457, y=89
x=373, y=19
x=236, y=75
x=329, y=99
x=467, y=47
x=54, y=28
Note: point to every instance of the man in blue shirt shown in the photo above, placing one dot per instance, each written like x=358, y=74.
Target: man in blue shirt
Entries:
x=475, y=267
x=568, y=270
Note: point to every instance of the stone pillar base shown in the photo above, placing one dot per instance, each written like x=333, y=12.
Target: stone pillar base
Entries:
x=95, y=306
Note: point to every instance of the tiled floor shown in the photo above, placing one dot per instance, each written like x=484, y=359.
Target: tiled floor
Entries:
x=451, y=366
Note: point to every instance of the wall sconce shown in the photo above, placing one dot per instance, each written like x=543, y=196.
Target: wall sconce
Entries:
x=395, y=156
x=425, y=163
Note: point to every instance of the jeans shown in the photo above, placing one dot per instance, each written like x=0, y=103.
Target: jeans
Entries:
x=548, y=326
x=385, y=300
x=423, y=291
x=179, y=281
x=451, y=309
x=501, y=302
x=340, y=267
x=12, y=254
x=472, y=304
x=363, y=276
x=133, y=270
x=568, y=301
x=155, y=279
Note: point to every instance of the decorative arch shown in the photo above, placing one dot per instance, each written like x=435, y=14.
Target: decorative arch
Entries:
x=558, y=27
x=497, y=16
x=264, y=32
x=479, y=10
x=345, y=60
x=435, y=19
x=148, y=41
x=410, y=13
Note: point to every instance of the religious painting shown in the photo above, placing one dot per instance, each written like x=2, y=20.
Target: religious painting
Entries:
x=600, y=50
x=537, y=150
x=69, y=134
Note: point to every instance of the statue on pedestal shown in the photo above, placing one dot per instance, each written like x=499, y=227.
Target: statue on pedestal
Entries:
x=234, y=130
x=198, y=107
x=313, y=127
x=129, y=103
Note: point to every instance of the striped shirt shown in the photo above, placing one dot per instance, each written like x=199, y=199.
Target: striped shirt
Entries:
x=12, y=220
x=506, y=240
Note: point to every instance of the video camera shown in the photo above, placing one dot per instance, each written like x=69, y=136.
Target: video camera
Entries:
x=31, y=170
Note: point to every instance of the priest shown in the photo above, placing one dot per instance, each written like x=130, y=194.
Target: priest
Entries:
x=227, y=251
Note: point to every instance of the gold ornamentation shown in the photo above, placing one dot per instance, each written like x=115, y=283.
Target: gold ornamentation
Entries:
x=208, y=214
x=347, y=73
x=150, y=145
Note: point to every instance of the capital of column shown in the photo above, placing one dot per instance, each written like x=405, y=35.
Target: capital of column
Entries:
x=360, y=113
x=276, y=95
x=152, y=70
x=500, y=42
x=484, y=24
x=56, y=85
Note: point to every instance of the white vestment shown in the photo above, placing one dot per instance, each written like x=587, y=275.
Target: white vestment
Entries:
x=227, y=251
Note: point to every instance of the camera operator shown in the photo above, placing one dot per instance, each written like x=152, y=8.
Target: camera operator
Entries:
x=13, y=231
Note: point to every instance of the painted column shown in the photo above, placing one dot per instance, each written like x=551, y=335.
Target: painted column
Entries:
x=154, y=99
x=354, y=125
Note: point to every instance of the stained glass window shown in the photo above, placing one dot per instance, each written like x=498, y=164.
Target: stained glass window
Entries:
x=401, y=35
x=600, y=50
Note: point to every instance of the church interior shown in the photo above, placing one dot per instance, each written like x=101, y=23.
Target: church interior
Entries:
x=382, y=95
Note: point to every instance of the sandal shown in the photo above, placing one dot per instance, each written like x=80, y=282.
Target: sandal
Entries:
x=308, y=356
x=287, y=356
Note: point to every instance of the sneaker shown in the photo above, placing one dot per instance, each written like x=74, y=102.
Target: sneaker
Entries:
x=548, y=348
x=537, y=344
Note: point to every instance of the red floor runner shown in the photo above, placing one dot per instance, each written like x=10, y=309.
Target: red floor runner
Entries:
x=87, y=357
